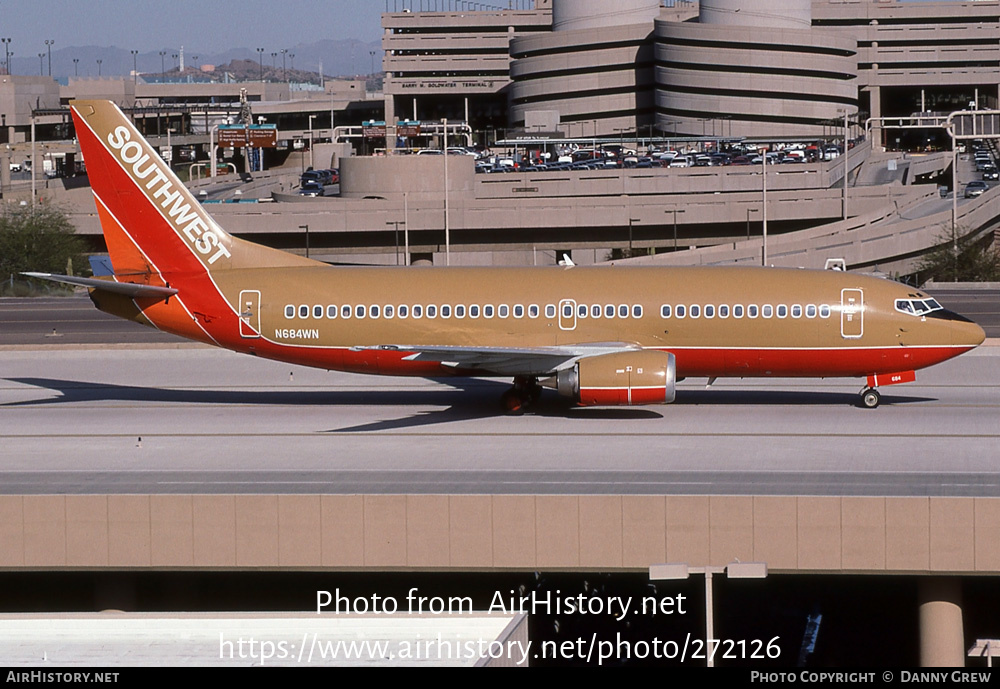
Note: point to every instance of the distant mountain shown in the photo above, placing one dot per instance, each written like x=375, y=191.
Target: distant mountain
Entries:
x=340, y=58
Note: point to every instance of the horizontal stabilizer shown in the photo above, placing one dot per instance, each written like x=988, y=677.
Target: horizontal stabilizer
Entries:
x=129, y=289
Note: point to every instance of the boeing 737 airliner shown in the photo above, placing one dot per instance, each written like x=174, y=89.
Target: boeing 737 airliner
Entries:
x=604, y=335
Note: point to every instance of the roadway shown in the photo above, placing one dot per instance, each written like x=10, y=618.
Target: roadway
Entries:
x=190, y=419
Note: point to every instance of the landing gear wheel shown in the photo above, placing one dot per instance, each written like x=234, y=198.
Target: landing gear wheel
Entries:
x=524, y=394
x=513, y=402
x=870, y=398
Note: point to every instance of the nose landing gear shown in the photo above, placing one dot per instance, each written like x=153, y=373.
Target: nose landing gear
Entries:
x=869, y=398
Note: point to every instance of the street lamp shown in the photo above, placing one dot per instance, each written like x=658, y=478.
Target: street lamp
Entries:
x=163, y=68
x=260, y=59
x=675, y=212
x=76, y=66
x=41, y=64
x=734, y=570
x=48, y=46
x=99, y=61
x=135, y=68
x=312, y=157
x=284, y=51
x=6, y=50
x=396, y=223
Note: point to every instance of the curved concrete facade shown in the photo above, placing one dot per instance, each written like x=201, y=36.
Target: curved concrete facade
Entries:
x=749, y=80
x=599, y=80
x=762, y=14
x=570, y=15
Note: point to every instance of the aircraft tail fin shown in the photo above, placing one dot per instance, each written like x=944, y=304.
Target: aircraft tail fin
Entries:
x=151, y=222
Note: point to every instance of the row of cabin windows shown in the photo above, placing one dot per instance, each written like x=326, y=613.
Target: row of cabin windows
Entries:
x=738, y=311
x=461, y=311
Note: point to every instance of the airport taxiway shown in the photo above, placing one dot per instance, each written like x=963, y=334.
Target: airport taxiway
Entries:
x=189, y=419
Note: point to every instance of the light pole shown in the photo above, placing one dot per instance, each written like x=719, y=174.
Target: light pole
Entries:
x=260, y=60
x=6, y=50
x=306, y=228
x=291, y=60
x=734, y=570
x=48, y=46
x=163, y=67
x=99, y=61
x=76, y=66
x=447, y=228
x=312, y=158
x=135, y=68
x=763, y=175
x=675, y=212
x=41, y=64
x=284, y=51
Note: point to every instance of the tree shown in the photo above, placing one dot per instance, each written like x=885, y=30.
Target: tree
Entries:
x=39, y=238
x=977, y=260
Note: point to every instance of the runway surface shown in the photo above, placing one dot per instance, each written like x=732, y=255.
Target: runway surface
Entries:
x=212, y=421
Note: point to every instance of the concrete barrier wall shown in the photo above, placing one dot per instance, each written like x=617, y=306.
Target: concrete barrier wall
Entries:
x=480, y=532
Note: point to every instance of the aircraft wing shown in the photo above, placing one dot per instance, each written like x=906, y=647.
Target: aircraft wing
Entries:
x=130, y=289
x=510, y=361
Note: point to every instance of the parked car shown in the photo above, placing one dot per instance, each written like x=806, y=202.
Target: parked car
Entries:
x=312, y=189
x=975, y=188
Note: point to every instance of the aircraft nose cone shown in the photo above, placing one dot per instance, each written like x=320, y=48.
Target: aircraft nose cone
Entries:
x=968, y=334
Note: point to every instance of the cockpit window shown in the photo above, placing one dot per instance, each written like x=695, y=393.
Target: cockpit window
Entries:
x=917, y=307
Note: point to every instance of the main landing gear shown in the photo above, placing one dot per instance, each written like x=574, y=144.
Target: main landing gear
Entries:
x=869, y=398
x=525, y=393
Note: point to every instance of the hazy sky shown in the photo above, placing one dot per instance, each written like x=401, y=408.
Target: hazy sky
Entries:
x=206, y=26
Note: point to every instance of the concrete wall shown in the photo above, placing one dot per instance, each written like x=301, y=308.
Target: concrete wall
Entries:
x=480, y=532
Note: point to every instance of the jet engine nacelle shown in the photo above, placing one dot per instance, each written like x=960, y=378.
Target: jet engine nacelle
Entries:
x=640, y=377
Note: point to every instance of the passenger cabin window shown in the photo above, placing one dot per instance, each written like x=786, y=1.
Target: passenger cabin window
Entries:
x=359, y=311
x=374, y=311
x=767, y=311
x=474, y=311
x=404, y=310
x=581, y=310
x=519, y=311
x=609, y=311
x=723, y=311
x=595, y=311
x=550, y=311
x=303, y=311
x=533, y=311
x=388, y=310
x=445, y=311
x=345, y=311
x=681, y=311
x=782, y=311
x=738, y=311
x=432, y=311
x=459, y=311
x=488, y=311
x=503, y=310
x=331, y=311
x=567, y=310
x=752, y=311
x=418, y=310
x=695, y=311
x=811, y=310
x=665, y=311
x=290, y=311
x=824, y=311
x=623, y=310
x=317, y=311
x=709, y=311
x=637, y=311
x=796, y=311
